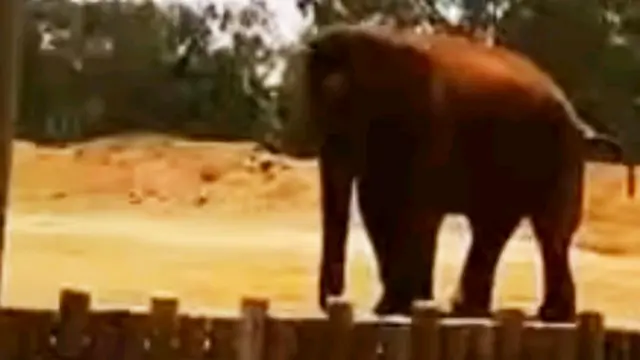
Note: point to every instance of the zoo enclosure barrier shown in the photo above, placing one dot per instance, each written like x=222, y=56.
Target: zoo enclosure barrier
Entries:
x=164, y=333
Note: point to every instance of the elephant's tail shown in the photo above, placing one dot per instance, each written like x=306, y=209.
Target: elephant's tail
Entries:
x=599, y=145
x=606, y=146
x=610, y=146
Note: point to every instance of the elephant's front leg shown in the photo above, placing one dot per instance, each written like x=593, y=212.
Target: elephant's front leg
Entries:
x=421, y=246
x=379, y=214
x=414, y=229
x=336, y=176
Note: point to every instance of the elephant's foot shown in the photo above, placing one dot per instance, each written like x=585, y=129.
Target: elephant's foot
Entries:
x=557, y=313
x=464, y=307
x=460, y=309
x=390, y=305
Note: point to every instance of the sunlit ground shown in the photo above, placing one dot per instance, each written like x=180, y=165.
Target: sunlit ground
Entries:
x=130, y=218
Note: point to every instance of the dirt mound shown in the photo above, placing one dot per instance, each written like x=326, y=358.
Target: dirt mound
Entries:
x=162, y=169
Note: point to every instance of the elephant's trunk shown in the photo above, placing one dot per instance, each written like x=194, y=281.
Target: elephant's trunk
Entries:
x=299, y=133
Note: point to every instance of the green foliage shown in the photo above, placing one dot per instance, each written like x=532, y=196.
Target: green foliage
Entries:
x=121, y=55
x=226, y=86
x=589, y=47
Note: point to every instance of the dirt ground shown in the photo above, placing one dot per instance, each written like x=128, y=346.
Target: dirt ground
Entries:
x=131, y=217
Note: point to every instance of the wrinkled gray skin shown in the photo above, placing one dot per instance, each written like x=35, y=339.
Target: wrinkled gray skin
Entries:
x=342, y=112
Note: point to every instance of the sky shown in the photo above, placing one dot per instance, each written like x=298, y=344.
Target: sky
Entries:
x=290, y=20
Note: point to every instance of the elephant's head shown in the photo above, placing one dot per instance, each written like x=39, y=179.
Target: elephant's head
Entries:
x=327, y=87
x=298, y=134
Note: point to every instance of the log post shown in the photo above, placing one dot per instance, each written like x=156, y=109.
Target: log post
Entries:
x=631, y=179
x=11, y=20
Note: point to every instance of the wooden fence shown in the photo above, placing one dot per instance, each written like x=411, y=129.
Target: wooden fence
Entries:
x=76, y=332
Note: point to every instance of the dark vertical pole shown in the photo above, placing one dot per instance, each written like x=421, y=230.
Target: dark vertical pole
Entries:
x=11, y=21
x=631, y=179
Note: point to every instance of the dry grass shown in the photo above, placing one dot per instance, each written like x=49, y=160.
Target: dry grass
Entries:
x=610, y=216
x=156, y=169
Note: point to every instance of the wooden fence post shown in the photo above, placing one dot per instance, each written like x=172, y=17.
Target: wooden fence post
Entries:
x=590, y=336
x=281, y=338
x=11, y=20
x=193, y=338
x=550, y=341
x=340, y=326
x=395, y=341
x=631, y=179
x=634, y=345
x=71, y=340
x=455, y=339
x=223, y=340
x=509, y=334
x=565, y=344
x=483, y=336
x=107, y=335
x=425, y=335
x=618, y=345
x=468, y=338
x=163, y=328
x=252, y=335
x=365, y=341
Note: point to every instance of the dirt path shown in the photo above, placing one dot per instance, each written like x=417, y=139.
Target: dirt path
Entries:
x=211, y=262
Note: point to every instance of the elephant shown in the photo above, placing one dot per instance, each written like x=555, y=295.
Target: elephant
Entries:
x=427, y=125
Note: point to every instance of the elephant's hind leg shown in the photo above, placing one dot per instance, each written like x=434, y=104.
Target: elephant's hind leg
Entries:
x=554, y=230
x=491, y=230
x=554, y=221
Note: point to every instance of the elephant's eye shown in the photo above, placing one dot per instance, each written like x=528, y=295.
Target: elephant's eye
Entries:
x=334, y=83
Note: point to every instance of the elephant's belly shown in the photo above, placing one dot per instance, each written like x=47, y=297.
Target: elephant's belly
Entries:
x=459, y=189
x=451, y=195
